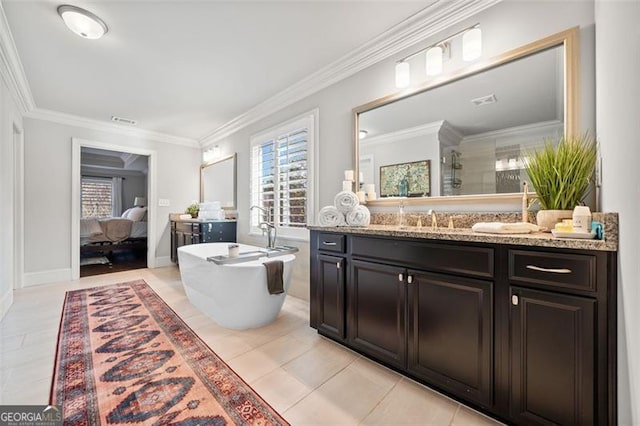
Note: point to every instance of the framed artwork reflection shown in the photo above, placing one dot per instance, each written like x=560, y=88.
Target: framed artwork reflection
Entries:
x=406, y=179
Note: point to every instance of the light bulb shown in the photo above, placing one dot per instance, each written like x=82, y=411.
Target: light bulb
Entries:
x=403, y=75
x=472, y=44
x=434, y=60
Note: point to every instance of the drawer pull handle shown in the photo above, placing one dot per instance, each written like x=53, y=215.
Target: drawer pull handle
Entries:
x=327, y=243
x=553, y=271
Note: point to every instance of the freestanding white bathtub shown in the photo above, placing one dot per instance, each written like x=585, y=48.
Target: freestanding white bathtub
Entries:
x=236, y=295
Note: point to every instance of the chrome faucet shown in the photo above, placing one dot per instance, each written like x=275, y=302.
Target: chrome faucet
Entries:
x=434, y=221
x=267, y=226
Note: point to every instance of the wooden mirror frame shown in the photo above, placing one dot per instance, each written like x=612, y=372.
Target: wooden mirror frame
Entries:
x=568, y=38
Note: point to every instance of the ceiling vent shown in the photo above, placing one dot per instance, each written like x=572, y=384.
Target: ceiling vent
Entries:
x=124, y=120
x=484, y=100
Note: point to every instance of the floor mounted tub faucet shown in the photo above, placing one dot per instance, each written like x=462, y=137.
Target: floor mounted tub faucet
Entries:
x=267, y=226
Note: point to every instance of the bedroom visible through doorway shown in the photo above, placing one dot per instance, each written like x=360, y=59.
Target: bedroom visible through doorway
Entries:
x=114, y=211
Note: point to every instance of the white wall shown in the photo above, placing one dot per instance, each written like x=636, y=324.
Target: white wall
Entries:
x=48, y=192
x=10, y=118
x=617, y=113
x=505, y=26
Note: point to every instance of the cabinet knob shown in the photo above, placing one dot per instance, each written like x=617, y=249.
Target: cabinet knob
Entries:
x=514, y=300
x=409, y=279
x=338, y=265
x=400, y=277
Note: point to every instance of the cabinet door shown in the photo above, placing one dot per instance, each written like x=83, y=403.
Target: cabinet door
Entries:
x=552, y=358
x=330, y=296
x=376, y=316
x=451, y=334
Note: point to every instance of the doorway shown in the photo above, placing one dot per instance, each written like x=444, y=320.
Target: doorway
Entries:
x=113, y=220
x=113, y=223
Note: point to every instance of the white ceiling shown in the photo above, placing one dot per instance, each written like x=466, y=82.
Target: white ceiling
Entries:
x=185, y=68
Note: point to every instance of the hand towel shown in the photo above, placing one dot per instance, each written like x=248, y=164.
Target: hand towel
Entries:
x=275, y=282
x=330, y=216
x=505, y=228
x=346, y=201
x=359, y=216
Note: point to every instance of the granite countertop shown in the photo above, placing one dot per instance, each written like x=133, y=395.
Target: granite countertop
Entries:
x=540, y=239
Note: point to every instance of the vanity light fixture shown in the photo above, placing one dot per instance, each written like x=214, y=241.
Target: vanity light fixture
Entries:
x=434, y=60
x=362, y=134
x=472, y=44
x=403, y=74
x=82, y=22
x=211, y=153
x=471, y=49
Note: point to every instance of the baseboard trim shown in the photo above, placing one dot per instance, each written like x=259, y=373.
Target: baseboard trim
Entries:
x=5, y=303
x=163, y=261
x=45, y=277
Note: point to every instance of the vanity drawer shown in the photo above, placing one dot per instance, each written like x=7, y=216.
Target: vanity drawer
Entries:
x=452, y=258
x=569, y=271
x=188, y=227
x=331, y=242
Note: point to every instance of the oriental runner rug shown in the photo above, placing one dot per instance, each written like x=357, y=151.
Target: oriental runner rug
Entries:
x=125, y=357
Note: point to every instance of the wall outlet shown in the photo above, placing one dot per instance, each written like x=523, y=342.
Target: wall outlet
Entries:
x=163, y=202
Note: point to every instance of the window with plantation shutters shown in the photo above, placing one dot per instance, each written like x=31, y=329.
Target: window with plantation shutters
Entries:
x=97, y=197
x=281, y=171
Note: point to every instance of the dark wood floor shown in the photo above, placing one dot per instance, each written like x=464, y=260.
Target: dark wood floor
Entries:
x=121, y=261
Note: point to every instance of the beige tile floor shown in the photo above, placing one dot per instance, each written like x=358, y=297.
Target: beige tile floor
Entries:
x=307, y=378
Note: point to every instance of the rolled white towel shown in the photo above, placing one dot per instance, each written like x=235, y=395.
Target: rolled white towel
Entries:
x=330, y=216
x=346, y=201
x=505, y=228
x=359, y=216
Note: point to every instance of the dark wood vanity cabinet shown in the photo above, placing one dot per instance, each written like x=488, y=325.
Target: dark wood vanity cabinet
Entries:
x=552, y=358
x=526, y=334
x=184, y=233
x=451, y=333
x=377, y=298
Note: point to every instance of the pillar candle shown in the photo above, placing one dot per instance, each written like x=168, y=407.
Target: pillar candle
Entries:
x=346, y=185
x=348, y=175
x=371, y=196
x=361, y=196
x=370, y=188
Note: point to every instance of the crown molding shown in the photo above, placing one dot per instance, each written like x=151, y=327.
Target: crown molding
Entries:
x=11, y=67
x=402, y=134
x=89, y=123
x=429, y=21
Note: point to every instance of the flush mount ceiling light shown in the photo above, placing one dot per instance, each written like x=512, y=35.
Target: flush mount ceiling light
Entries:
x=362, y=134
x=435, y=54
x=82, y=22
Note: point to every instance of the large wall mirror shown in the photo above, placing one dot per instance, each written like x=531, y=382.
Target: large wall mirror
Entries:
x=473, y=128
x=218, y=182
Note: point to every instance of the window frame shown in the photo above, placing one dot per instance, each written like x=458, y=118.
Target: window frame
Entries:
x=310, y=121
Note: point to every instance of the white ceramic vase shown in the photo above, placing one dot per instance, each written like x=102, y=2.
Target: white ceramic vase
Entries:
x=547, y=219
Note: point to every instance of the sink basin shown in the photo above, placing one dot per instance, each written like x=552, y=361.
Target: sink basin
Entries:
x=248, y=256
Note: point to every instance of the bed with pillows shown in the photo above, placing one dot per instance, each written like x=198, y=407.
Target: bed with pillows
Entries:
x=103, y=234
